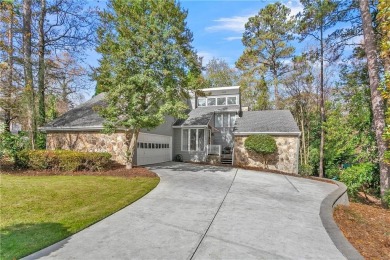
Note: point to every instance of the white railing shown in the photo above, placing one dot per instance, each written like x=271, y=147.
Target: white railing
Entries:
x=233, y=156
x=214, y=149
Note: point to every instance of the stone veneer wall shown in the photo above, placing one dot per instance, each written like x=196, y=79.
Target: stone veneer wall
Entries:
x=285, y=160
x=89, y=142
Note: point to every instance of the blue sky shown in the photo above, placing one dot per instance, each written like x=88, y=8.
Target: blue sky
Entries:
x=217, y=25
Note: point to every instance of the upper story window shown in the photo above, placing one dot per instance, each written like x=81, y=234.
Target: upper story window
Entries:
x=217, y=101
x=211, y=102
x=202, y=102
x=232, y=100
x=225, y=119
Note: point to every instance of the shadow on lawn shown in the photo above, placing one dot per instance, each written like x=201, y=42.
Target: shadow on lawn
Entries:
x=23, y=239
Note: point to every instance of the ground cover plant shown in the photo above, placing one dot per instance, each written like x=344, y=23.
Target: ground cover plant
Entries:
x=37, y=211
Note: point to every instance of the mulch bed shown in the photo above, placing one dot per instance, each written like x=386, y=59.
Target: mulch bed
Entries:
x=116, y=170
x=367, y=227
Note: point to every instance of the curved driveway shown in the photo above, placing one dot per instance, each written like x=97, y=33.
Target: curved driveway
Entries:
x=207, y=212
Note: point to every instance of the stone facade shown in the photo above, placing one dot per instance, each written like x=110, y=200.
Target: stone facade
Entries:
x=285, y=159
x=89, y=142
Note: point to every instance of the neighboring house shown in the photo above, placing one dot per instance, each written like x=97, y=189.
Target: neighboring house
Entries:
x=14, y=126
x=215, y=131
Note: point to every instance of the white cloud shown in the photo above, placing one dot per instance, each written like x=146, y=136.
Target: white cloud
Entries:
x=295, y=7
x=234, y=24
x=207, y=56
x=233, y=38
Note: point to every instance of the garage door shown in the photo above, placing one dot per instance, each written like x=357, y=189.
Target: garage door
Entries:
x=153, y=148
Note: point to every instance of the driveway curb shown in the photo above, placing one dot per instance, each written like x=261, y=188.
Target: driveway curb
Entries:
x=338, y=196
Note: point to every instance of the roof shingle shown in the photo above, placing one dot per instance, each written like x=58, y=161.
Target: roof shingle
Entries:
x=84, y=115
x=201, y=116
x=266, y=121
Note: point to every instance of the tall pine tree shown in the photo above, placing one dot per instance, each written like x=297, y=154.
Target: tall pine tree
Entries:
x=146, y=58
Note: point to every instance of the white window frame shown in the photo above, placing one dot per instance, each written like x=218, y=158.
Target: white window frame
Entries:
x=216, y=100
x=223, y=123
x=197, y=140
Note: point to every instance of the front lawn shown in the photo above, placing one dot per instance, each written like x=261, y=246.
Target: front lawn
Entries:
x=37, y=211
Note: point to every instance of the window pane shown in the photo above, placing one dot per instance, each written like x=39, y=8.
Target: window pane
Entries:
x=232, y=100
x=221, y=101
x=218, y=120
x=211, y=101
x=233, y=118
x=225, y=119
x=193, y=139
x=185, y=140
x=149, y=145
x=201, y=102
x=200, y=139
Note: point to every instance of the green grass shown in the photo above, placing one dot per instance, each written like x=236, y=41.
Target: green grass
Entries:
x=39, y=211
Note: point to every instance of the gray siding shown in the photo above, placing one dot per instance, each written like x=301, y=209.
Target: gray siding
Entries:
x=187, y=155
x=223, y=137
x=164, y=129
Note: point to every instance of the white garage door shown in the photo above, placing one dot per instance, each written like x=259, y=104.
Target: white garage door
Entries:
x=153, y=148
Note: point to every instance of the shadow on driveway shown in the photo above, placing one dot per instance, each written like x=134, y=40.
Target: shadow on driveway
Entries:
x=189, y=167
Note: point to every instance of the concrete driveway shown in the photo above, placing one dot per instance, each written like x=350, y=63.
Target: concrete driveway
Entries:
x=205, y=212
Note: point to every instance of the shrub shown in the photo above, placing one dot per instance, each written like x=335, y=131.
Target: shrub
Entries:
x=261, y=144
x=358, y=178
x=62, y=160
x=11, y=144
x=386, y=198
x=305, y=169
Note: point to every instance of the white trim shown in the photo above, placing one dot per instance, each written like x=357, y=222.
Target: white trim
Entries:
x=191, y=126
x=269, y=133
x=196, y=140
x=72, y=128
x=221, y=88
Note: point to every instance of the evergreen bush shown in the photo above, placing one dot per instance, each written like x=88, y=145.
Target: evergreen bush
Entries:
x=63, y=160
x=261, y=144
x=358, y=178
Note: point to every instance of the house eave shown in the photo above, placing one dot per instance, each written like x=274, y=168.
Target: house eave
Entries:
x=269, y=133
x=70, y=128
x=190, y=126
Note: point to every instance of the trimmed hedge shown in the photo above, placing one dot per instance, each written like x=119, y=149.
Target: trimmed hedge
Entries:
x=62, y=160
x=261, y=144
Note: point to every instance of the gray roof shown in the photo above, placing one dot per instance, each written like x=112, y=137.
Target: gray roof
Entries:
x=201, y=116
x=84, y=115
x=266, y=121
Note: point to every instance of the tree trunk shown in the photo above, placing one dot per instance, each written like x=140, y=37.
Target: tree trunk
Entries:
x=303, y=136
x=28, y=72
x=322, y=105
x=276, y=89
x=376, y=98
x=8, y=90
x=131, y=141
x=41, y=66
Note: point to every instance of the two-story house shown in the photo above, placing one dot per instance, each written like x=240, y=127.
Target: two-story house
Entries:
x=215, y=131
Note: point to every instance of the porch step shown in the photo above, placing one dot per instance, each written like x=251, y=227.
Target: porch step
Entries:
x=226, y=161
